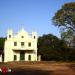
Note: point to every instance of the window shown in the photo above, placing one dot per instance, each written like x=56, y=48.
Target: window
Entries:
x=34, y=37
x=22, y=36
x=29, y=44
x=9, y=36
x=15, y=43
x=29, y=57
x=15, y=57
x=22, y=43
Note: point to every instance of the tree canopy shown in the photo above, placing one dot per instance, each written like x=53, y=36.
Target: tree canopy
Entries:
x=2, y=40
x=65, y=17
x=51, y=48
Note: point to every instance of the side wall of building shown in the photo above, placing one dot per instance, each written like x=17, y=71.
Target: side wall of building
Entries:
x=0, y=57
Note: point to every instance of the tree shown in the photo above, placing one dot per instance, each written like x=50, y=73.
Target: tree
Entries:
x=2, y=40
x=65, y=17
x=51, y=48
x=68, y=37
x=66, y=34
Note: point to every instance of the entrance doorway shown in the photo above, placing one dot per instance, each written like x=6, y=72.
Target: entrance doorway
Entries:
x=15, y=57
x=29, y=57
x=22, y=55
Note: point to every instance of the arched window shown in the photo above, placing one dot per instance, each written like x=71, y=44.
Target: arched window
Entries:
x=34, y=37
x=15, y=57
x=9, y=36
x=29, y=57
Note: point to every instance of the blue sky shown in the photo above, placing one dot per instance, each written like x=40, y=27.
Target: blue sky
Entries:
x=34, y=15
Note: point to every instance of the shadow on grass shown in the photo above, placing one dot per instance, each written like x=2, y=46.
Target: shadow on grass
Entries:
x=31, y=72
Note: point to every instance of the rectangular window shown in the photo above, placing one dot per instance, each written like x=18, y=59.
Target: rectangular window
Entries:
x=15, y=43
x=29, y=44
x=22, y=43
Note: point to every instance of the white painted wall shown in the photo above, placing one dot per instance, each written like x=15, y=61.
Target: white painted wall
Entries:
x=1, y=58
x=9, y=47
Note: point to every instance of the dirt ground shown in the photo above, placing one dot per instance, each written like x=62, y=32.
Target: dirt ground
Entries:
x=40, y=68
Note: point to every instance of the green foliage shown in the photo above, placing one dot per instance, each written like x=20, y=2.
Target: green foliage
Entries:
x=69, y=37
x=67, y=34
x=65, y=17
x=2, y=40
x=51, y=48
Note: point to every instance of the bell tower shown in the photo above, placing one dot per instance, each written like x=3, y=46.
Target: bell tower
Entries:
x=34, y=35
x=9, y=34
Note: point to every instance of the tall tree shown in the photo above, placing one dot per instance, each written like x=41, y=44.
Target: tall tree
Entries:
x=2, y=40
x=50, y=47
x=68, y=36
x=65, y=17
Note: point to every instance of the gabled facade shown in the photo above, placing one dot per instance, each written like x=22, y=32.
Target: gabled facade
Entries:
x=20, y=47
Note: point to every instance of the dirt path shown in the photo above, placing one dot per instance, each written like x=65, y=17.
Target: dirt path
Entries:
x=41, y=68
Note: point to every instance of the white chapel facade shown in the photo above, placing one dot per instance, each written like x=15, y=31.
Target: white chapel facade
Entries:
x=20, y=47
